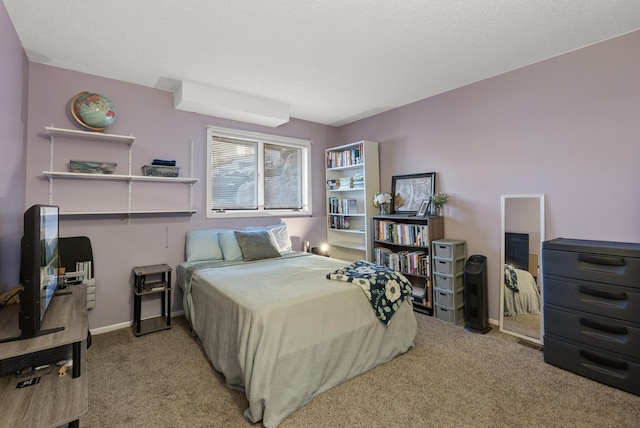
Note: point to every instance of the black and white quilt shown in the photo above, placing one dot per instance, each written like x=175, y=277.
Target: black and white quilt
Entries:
x=384, y=287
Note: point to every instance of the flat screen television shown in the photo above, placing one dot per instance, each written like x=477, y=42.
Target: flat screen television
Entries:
x=516, y=251
x=39, y=267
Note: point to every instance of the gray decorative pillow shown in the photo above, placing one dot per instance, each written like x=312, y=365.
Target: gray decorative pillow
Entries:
x=279, y=233
x=256, y=245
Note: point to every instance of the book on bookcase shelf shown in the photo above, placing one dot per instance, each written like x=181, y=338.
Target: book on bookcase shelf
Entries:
x=402, y=234
x=347, y=157
x=339, y=222
x=409, y=262
x=342, y=205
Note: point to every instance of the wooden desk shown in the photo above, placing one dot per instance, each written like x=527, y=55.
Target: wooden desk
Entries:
x=55, y=400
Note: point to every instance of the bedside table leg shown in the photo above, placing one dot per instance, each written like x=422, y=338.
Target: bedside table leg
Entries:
x=169, y=299
x=76, y=349
x=137, y=303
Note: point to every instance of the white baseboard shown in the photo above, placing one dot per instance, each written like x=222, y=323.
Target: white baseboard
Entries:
x=113, y=327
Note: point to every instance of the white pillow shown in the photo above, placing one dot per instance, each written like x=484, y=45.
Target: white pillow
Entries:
x=279, y=233
x=203, y=245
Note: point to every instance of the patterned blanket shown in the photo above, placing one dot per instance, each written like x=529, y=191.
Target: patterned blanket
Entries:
x=384, y=287
x=511, y=278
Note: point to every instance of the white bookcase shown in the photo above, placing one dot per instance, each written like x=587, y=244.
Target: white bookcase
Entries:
x=352, y=178
x=126, y=208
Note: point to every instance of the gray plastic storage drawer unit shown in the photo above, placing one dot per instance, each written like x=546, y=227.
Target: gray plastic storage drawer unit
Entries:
x=448, y=282
x=448, y=249
x=592, y=309
x=449, y=298
x=450, y=315
x=448, y=279
x=447, y=266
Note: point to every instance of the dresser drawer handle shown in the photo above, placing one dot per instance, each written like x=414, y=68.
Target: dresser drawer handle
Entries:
x=599, y=359
x=608, y=328
x=601, y=260
x=605, y=294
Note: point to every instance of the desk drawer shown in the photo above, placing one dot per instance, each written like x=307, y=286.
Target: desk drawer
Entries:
x=605, y=367
x=606, y=333
x=592, y=297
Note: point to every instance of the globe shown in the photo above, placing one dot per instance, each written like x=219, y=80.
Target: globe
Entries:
x=93, y=111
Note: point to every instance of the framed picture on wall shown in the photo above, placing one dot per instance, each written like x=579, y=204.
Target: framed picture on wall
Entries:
x=424, y=208
x=410, y=191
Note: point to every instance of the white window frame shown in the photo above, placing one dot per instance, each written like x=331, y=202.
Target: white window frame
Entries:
x=261, y=139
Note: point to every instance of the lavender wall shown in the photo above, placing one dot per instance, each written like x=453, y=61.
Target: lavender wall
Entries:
x=13, y=121
x=567, y=127
x=161, y=132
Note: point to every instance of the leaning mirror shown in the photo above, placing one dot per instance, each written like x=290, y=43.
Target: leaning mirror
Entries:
x=522, y=234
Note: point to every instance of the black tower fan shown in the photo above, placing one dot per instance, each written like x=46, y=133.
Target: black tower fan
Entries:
x=476, y=306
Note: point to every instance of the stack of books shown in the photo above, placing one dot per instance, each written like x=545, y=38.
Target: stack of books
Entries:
x=345, y=182
x=358, y=181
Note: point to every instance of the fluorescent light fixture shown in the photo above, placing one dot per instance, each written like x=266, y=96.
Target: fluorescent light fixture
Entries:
x=230, y=105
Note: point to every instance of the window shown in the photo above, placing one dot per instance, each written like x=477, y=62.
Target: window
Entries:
x=252, y=174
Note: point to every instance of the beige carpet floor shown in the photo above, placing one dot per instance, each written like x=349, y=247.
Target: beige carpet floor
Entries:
x=451, y=378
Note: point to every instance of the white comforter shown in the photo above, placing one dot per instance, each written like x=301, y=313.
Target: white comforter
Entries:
x=527, y=300
x=284, y=333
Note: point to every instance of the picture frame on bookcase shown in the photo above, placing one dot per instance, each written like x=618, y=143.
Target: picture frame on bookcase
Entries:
x=424, y=208
x=410, y=191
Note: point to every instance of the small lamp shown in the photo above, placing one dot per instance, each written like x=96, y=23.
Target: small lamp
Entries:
x=322, y=250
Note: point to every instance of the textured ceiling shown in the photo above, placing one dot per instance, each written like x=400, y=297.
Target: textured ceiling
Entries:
x=331, y=61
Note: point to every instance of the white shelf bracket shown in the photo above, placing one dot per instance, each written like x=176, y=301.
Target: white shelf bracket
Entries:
x=51, y=168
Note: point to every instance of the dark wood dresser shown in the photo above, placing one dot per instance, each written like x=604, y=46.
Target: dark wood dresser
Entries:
x=592, y=309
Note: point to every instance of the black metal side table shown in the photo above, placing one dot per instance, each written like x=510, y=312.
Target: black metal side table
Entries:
x=151, y=279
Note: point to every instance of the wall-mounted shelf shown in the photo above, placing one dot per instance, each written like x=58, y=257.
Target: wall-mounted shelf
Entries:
x=129, y=178
x=127, y=213
x=89, y=176
x=90, y=136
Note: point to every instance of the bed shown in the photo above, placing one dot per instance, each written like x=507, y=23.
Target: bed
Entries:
x=521, y=294
x=276, y=327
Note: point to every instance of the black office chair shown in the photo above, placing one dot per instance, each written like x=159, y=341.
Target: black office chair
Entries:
x=75, y=249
